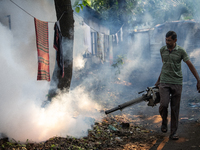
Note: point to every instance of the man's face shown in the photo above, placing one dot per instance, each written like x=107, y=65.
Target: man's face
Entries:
x=170, y=42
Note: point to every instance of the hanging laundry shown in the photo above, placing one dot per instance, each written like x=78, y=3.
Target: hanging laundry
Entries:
x=121, y=34
x=58, y=46
x=100, y=46
x=113, y=37
x=117, y=39
x=107, y=42
x=93, y=36
x=41, y=29
x=110, y=49
x=87, y=38
x=106, y=46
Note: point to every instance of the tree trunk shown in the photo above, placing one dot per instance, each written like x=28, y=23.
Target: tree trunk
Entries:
x=64, y=14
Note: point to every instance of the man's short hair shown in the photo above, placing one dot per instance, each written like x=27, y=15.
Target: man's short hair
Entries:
x=172, y=34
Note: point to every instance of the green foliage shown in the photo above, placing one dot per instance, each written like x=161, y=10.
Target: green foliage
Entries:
x=77, y=147
x=53, y=146
x=187, y=17
x=133, y=12
x=79, y=4
x=113, y=11
x=77, y=9
x=138, y=12
x=171, y=10
x=2, y=146
x=23, y=145
x=193, y=8
x=118, y=63
x=10, y=143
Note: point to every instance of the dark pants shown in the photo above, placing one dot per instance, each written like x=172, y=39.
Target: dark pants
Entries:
x=165, y=90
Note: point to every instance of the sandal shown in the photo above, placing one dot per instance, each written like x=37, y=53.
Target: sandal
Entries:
x=164, y=128
x=173, y=137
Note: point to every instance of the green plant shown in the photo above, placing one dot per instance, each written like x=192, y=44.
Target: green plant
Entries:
x=52, y=146
x=2, y=146
x=78, y=5
x=118, y=63
x=10, y=143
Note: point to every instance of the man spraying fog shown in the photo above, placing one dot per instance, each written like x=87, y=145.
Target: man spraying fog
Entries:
x=170, y=82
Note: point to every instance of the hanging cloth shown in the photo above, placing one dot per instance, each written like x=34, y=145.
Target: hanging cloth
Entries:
x=113, y=37
x=106, y=46
x=100, y=46
x=58, y=46
x=121, y=34
x=87, y=38
x=41, y=29
x=110, y=49
x=117, y=39
x=106, y=43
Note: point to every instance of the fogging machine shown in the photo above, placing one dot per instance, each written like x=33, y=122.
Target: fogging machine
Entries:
x=151, y=95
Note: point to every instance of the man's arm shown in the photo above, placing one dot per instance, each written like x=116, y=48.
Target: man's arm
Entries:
x=194, y=72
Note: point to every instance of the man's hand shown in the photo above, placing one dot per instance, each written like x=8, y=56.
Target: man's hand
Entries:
x=157, y=84
x=195, y=73
x=158, y=81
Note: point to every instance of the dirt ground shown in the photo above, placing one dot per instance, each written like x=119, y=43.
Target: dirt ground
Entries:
x=189, y=138
x=188, y=131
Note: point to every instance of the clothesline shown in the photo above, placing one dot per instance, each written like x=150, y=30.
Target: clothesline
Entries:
x=61, y=17
x=32, y=15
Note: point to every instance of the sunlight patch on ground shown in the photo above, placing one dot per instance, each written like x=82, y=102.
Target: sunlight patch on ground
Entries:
x=162, y=144
x=155, y=118
x=181, y=140
x=136, y=146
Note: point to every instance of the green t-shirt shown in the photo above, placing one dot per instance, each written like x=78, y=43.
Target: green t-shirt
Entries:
x=171, y=69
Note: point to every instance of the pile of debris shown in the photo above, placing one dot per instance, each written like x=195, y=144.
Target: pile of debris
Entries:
x=112, y=133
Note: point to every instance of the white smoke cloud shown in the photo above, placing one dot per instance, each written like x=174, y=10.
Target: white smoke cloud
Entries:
x=20, y=107
x=22, y=116
x=196, y=55
x=79, y=46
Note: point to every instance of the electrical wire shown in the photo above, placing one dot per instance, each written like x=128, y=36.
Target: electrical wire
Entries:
x=28, y=12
